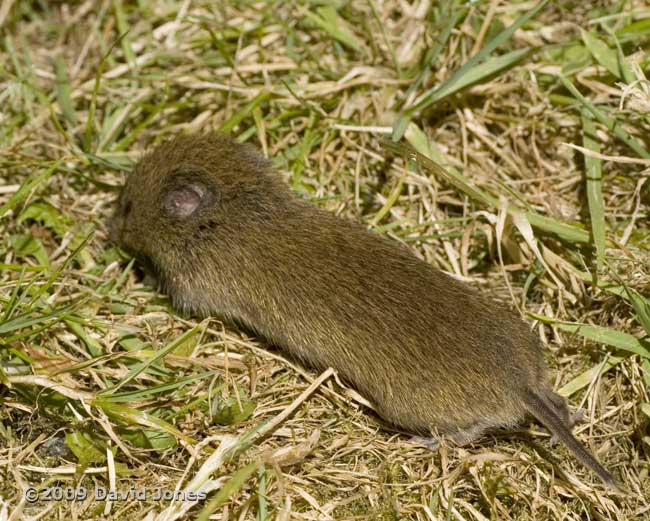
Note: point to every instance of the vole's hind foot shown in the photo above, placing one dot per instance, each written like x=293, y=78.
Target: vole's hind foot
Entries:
x=464, y=437
x=460, y=437
x=554, y=441
x=577, y=416
x=559, y=405
x=432, y=443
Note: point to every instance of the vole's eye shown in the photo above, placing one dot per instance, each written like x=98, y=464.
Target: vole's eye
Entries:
x=183, y=201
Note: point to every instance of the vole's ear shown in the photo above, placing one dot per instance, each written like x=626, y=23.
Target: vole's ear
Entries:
x=183, y=201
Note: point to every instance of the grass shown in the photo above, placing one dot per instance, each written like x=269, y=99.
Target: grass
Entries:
x=444, y=126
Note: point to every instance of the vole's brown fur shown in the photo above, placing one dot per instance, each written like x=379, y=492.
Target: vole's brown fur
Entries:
x=435, y=357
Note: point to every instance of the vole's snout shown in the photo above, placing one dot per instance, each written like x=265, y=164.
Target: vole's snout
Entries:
x=112, y=225
x=119, y=234
x=115, y=222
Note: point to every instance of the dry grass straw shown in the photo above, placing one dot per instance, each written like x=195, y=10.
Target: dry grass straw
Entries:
x=543, y=200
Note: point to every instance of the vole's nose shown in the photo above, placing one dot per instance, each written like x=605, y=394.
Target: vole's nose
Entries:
x=113, y=228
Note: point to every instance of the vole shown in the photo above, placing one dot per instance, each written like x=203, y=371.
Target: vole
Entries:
x=435, y=356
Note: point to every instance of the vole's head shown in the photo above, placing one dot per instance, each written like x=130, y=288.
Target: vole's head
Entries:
x=190, y=190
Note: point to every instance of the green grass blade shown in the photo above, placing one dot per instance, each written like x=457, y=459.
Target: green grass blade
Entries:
x=262, y=511
x=93, y=100
x=564, y=231
x=387, y=41
x=641, y=307
x=329, y=22
x=149, y=392
x=474, y=75
x=231, y=487
x=602, y=53
x=611, y=124
x=626, y=70
x=584, y=379
x=133, y=416
x=55, y=274
x=142, y=366
x=129, y=138
x=63, y=92
x=17, y=296
x=593, y=174
x=94, y=347
x=602, y=335
x=441, y=40
x=635, y=29
x=429, y=158
x=645, y=365
x=122, y=27
x=239, y=116
x=29, y=319
x=28, y=187
x=614, y=289
x=391, y=199
x=459, y=76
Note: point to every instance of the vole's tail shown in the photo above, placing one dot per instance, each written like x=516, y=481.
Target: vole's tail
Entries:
x=545, y=414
